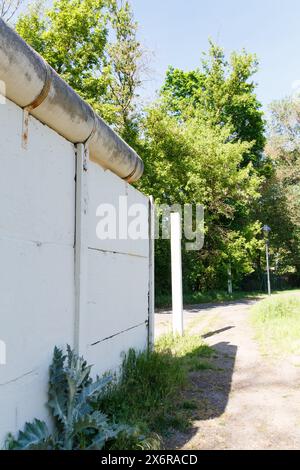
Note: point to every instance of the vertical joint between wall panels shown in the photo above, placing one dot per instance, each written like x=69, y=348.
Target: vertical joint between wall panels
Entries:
x=81, y=247
x=151, y=297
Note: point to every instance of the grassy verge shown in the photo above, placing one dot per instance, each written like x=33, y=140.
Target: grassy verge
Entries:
x=276, y=321
x=148, y=393
x=165, y=300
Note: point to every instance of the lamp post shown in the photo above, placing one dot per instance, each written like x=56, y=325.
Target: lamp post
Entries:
x=266, y=230
x=229, y=279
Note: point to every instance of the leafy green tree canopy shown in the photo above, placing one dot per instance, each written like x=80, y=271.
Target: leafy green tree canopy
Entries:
x=280, y=202
x=223, y=92
x=92, y=44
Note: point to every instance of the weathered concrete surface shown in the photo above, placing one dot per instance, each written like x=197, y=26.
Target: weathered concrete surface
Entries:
x=37, y=268
x=31, y=82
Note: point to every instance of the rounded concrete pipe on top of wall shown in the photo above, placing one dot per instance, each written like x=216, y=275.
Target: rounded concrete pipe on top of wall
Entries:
x=31, y=83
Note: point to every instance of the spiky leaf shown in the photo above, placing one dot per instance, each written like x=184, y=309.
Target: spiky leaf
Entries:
x=93, y=389
x=96, y=420
x=109, y=432
x=35, y=436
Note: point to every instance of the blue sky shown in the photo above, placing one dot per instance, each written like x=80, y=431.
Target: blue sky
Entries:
x=176, y=31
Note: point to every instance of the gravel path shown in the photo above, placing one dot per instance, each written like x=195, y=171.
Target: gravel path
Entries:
x=247, y=401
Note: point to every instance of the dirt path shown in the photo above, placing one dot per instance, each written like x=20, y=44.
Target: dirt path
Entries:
x=247, y=401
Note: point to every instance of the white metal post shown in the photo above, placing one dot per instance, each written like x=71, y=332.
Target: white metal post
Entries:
x=81, y=247
x=151, y=318
x=176, y=273
x=268, y=267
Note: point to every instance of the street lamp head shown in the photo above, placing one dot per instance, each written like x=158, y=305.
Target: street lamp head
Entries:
x=266, y=229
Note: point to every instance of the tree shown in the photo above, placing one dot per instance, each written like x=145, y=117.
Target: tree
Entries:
x=71, y=36
x=8, y=8
x=125, y=59
x=280, y=204
x=283, y=146
x=92, y=45
x=193, y=162
x=203, y=144
x=224, y=94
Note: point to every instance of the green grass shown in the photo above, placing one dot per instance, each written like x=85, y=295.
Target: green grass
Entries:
x=165, y=300
x=276, y=321
x=148, y=392
x=190, y=352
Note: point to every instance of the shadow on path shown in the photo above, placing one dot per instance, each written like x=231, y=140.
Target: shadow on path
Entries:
x=217, y=332
x=209, y=389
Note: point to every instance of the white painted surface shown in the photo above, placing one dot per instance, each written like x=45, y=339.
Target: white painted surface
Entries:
x=151, y=273
x=39, y=303
x=114, y=349
x=81, y=247
x=177, y=307
x=34, y=183
x=37, y=203
x=107, y=188
x=115, y=305
x=117, y=277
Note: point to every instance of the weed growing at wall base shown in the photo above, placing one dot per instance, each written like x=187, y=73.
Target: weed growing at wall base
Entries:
x=147, y=393
x=77, y=425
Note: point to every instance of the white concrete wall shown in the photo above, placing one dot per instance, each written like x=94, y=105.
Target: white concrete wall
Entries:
x=117, y=277
x=37, y=268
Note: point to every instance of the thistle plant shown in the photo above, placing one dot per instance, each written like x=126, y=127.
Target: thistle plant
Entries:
x=77, y=425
